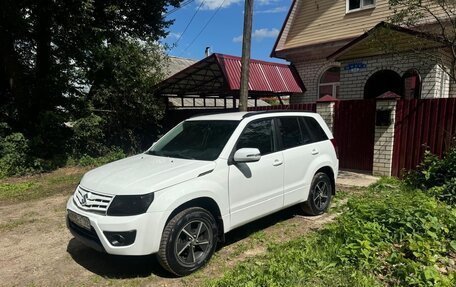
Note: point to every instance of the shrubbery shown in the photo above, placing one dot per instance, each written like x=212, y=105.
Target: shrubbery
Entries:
x=399, y=233
x=85, y=148
x=436, y=176
x=14, y=151
x=390, y=236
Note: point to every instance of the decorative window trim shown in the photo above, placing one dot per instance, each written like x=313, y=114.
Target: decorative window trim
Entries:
x=361, y=8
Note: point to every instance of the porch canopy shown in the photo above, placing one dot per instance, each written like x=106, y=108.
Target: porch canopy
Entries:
x=219, y=75
x=387, y=38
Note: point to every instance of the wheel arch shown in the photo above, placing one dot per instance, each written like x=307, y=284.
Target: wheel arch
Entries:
x=208, y=204
x=330, y=173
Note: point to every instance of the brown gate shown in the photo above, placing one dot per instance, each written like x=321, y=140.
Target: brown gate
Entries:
x=424, y=124
x=354, y=130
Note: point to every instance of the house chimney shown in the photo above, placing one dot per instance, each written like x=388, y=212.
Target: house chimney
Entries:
x=207, y=52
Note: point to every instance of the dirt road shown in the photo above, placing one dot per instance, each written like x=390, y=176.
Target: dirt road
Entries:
x=36, y=249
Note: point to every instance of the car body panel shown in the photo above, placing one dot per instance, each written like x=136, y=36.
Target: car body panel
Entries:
x=143, y=173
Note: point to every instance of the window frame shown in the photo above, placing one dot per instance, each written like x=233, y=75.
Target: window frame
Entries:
x=333, y=85
x=362, y=7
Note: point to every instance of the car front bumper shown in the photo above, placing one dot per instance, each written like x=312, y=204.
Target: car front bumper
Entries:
x=146, y=241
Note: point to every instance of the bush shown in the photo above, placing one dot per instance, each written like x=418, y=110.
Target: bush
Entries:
x=87, y=160
x=14, y=156
x=436, y=176
x=445, y=192
x=391, y=236
x=88, y=137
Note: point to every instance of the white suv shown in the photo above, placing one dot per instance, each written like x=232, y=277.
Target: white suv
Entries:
x=205, y=177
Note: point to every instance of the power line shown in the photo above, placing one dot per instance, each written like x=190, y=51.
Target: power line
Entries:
x=204, y=27
x=185, y=3
x=189, y=22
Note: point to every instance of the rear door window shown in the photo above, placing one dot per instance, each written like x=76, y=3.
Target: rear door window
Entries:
x=312, y=128
x=290, y=132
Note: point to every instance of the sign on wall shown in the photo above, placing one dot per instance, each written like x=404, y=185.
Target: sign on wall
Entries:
x=355, y=67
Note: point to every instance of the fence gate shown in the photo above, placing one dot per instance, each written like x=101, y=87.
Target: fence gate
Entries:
x=424, y=124
x=354, y=131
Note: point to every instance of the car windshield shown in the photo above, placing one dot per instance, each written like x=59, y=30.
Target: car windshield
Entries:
x=200, y=140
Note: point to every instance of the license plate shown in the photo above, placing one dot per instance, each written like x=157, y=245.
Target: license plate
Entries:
x=79, y=220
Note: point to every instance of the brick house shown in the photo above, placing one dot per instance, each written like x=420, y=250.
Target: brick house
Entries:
x=339, y=49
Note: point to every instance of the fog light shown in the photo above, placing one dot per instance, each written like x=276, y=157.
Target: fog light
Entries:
x=120, y=238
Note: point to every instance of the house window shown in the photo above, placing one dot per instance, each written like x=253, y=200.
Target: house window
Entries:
x=356, y=5
x=329, y=83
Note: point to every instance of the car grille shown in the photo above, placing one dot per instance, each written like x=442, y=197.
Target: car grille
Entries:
x=91, y=201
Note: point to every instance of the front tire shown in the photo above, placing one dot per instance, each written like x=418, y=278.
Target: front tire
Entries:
x=188, y=241
x=319, y=195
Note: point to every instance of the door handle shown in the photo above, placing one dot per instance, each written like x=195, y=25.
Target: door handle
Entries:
x=315, y=151
x=277, y=162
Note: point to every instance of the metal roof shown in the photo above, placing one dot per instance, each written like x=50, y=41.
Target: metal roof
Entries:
x=219, y=75
x=177, y=64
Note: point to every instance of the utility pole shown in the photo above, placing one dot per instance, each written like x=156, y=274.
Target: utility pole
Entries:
x=246, y=41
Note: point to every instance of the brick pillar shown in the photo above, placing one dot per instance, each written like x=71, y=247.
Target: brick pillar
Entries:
x=384, y=134
x=326, y=109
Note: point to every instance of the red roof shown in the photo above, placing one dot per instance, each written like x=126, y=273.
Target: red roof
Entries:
x=263, y=76
x=219, y=75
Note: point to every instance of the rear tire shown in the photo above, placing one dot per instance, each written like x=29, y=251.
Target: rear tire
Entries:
x=319, y=195
x=188, y=241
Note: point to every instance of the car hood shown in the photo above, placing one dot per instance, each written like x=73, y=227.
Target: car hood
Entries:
x=142, y=174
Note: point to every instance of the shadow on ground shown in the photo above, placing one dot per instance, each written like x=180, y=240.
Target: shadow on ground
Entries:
x=123, y=267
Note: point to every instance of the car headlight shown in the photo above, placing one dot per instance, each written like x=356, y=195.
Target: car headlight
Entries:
x=126, y=205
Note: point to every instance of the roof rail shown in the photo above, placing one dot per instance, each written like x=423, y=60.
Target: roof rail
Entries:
x=254, y=113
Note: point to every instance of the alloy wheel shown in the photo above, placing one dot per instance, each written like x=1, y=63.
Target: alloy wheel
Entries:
x=194, y=243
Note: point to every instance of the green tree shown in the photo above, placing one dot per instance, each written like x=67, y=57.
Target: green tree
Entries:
x=436, y=19
x=50, y=52
x=121, y=91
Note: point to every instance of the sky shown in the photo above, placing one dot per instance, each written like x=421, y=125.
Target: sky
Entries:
x=223, y=34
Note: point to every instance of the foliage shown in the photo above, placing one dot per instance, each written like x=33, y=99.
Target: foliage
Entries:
x=87, y=160
x=12, y=190
x=390, y=236
x=88, y=136
x=61, y=181
x=437, y=176
x=445, y=192
x=89, y=63
x=14, y=158
x=122, y=92
x=415, y=14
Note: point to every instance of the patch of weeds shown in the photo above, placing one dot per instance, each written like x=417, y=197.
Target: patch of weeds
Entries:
x=258, y=237
x=16, y=190
x=390, y=236
x=39, y=186
x=240, y=248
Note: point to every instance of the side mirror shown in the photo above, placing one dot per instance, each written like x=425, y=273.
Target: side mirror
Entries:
x=247, y=155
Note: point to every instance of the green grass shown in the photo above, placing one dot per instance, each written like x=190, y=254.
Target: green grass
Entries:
x=388, y=235
x=62, y=181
